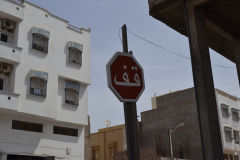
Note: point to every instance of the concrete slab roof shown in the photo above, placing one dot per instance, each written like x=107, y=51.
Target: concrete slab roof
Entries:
x=222, y=22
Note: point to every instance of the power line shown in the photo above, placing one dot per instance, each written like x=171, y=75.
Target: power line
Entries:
x=168, y=50
x=157, y=45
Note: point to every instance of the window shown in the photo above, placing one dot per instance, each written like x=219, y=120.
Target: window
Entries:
x=96, y=153
x=40, y=38
x=75, y=56
x=7, y=28
x=38, y=87
x=228, y=134
x=236, y=136
x=72, y=93
x=3, y=37
x=65, y=131
x=235, y=114
x=1, y=84
x=112, y=150
x=40, y=43
x=25, y=157
x=27, y=126
x=225, y=110
x=71, y=97
x=38, y=83
x=225, y=156
x=75, y=53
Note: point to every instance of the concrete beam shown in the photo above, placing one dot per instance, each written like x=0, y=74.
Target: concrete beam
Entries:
x=201, y=2
x=220, y=31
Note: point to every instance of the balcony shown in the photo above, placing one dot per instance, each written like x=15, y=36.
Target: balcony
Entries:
x=9, y=101
x=12, y=9
x=10, y=52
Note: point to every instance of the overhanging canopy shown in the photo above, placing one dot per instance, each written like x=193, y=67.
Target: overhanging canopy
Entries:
x=72, y=85
x=38, y=74
x=222, y=22
x=75, y=45
x=41, y=31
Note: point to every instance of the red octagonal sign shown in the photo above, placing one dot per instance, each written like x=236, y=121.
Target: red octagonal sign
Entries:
x=125, y=77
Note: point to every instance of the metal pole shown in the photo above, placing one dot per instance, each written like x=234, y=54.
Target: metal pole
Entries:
x=130, y=112
x=170, y=143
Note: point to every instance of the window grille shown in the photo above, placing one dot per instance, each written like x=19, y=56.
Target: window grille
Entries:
x=228, y=134
x=225, y=110
x=40, y=43
x=38, y=87
x=235, y=114
x=236, y=136
x=27, y=126
x=75, y=56
x=72, y=92
x=75, y=52
x=65, y=131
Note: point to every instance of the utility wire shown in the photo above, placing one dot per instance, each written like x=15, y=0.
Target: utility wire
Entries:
x=157, y=45
x=167, y=50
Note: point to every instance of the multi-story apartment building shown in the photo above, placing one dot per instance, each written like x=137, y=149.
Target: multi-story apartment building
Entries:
x=171, y=109
x=44, y=78
x=228, y=109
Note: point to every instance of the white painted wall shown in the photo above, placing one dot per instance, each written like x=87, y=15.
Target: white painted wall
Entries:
x=13, y=9
x=40, y=144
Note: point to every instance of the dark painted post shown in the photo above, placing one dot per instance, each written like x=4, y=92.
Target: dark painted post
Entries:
x=203, y=82
x=130, y=112
x=237, y=60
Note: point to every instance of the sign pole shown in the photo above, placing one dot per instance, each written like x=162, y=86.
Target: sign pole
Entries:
x=130, y=112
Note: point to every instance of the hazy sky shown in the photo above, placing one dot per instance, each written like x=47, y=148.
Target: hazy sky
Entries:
x=164, y=72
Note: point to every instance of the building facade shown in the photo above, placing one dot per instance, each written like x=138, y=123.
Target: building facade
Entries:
x=228, y=112
x=171, y=109
x=44, y=79
x=107, y=142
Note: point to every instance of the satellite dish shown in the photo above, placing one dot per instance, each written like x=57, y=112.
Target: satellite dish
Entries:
x=108, y=123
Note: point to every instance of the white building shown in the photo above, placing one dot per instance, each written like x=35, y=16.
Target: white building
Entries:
x=228, y=109
x=44, y=78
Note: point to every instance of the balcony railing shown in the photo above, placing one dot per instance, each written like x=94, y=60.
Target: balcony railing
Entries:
x=10, y=52
x=9, y=101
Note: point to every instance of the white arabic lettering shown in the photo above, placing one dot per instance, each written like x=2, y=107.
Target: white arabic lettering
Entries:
x=127, y=82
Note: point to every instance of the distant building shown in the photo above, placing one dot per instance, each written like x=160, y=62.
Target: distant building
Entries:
x=171, y=109
x=44, y=79
x=107, y=142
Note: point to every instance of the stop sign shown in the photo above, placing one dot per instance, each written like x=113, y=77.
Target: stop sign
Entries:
x=125, y=77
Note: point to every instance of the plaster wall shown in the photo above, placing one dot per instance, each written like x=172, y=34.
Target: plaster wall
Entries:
x=41, y=144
